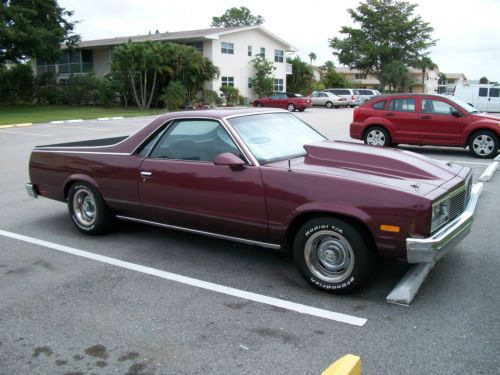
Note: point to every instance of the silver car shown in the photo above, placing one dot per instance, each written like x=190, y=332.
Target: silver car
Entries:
x=328, y=100
x=366, y=94
x=351, y=95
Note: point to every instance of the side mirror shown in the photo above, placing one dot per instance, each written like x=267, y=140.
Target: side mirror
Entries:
x=229, y=159
x=455, y=112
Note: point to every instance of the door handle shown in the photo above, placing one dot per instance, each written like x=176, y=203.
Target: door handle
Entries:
x=426, y=117
x=389, y=115
x=146, y=173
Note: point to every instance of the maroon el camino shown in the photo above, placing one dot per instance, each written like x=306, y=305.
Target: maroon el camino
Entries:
x=264, y=177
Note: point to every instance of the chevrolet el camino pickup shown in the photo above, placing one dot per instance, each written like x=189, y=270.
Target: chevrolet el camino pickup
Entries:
x=264, y=177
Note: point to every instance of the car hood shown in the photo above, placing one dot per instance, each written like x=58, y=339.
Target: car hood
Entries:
x=399, y=169
x=486, y=116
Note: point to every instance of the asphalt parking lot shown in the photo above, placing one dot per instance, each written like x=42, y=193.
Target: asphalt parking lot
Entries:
x=124, y=306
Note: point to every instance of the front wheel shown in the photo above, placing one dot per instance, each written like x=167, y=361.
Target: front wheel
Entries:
x=484, y=144
x=88, y=210
x=332, y=255
x=291, y=107
x=377, y=136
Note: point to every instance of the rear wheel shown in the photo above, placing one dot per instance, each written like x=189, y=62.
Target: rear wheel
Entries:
x=484, y=144
x=377, y=136
x=291, y=107
x=88, y=210
x=329, y=105
x=332, y=255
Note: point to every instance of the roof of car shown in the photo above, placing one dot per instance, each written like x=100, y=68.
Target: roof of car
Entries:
x=406, y=95
x=219, y=113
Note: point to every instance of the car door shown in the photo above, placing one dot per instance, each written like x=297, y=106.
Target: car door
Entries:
x=181, y=186
x=437, y=124
x=402, y=115
x=317, y=98
x=493, y=99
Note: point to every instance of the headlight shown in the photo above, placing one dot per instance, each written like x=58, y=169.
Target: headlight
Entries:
x=440, y=214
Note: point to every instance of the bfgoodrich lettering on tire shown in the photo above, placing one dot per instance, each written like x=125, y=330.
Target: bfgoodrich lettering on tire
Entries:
x=88, y=210
x=332, y=255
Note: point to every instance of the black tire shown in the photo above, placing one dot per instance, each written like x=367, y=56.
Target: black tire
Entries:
x=332, y=255
x=87, y=209
x=291, y=107
x=377, y=136
x=302, y=110
x=483, y=144
x=259, y=105
x=329, y=105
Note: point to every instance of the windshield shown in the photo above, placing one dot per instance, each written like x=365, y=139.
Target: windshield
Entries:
x=274, y=136
x=461, y=103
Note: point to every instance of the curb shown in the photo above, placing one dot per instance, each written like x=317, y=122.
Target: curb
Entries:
x=347, y=365
x=21, y=125
x=490, y=170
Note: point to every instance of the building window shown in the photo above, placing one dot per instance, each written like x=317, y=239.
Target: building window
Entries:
x=249, y=82
x=278, y=85
x=249, y=50
x=227, y=48
x=360, y=76
x=262, y=52
x=70, y=62
x=278, y=55
x=228, y=81
x=197, y=45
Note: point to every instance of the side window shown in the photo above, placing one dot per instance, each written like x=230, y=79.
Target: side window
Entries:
x=402, y=105
x=194, y=140
x=379, y=105
x=483, y=91
x=143, y=151
x=436, y=107
x=227, y=48
x=494, y=93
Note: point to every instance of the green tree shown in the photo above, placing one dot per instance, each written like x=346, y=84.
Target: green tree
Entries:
x=263, y=80
x=233, y=17
x=302, y=76
x=141, y=63
x=424, y=63
x=331, y=78
x=34, y=28
x=388, y=31
x=483, y=80
x=328, y=65
x=396, y=76
x=16, y=84
x=312, y=57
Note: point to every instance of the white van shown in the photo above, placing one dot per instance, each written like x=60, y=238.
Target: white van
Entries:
x=485, y=98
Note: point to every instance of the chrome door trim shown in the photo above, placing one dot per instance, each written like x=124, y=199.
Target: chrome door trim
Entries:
x=195, y=231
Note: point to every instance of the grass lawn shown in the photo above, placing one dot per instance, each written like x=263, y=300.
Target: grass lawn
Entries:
x=46, y=113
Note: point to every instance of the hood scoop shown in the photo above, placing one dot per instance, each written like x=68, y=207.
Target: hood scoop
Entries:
x=375, y=160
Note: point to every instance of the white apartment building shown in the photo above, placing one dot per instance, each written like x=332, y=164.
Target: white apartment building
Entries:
x=230, y=49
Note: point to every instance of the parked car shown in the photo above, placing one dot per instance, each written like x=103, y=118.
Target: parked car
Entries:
x=285, y=100
x=422, y=119
x=351, y=95
x=328, y=100
x=366, y=94
x=264, y=177
x=485, y=98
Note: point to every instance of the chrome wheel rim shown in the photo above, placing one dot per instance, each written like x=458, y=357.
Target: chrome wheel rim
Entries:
x=483, y=145
x=329, y=256
x=291, y=107
x=84, y=207
x=375, y=138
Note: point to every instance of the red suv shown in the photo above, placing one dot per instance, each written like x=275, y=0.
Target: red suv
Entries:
x=422, y=119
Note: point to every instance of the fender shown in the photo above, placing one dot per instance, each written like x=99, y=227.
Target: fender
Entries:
x=78, y=177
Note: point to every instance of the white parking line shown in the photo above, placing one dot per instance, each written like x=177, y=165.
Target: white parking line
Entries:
x=24, y=133
x=303, y=309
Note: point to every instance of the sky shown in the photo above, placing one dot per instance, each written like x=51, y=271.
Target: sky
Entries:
x=468, y=33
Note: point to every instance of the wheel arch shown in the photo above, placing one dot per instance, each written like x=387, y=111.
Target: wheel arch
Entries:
x=475, y=130
x=303, y=217
x=72, y=179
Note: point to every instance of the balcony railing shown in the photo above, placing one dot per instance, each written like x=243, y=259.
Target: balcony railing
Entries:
x=65, y=68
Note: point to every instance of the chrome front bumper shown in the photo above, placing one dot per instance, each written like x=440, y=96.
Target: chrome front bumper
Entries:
x=429, y=250
x=30, y=188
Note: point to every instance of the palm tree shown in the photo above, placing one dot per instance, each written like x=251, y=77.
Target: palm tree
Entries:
x=313, y=57
x=424, y=63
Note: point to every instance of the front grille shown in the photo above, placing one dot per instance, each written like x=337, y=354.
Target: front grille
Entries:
x=459, y=199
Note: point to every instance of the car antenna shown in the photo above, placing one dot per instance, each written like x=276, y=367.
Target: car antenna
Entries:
x=289, y=166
